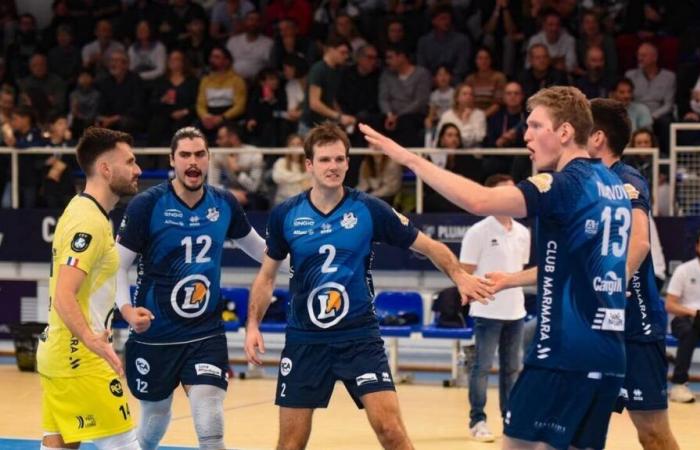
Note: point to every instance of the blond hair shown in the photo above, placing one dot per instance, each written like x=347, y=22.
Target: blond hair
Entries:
x=566, y=104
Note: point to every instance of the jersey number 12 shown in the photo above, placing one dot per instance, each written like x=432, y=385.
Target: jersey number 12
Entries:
x=203, y=240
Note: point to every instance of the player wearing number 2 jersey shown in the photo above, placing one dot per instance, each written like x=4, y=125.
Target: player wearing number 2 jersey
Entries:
x=178, y=228
x=576, y=364
x=333, y=332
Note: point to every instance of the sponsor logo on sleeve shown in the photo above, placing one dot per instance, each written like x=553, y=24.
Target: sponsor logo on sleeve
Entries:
x=542, y=181
x=402, y=218
x=632, y=191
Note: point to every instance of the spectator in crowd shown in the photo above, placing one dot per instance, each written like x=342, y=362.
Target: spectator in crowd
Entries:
x=197, y=45
x=152, y=12
x=683, y=302
x=266, y=114
x=64, y=58
x=404, y=93
x=180, y=13
x=441, y=98
x=344, y=27
x=654, y=87
x=486, y=83
x=288, y=42
x=540, y=73
x=222, y=94
x=380, y=176
x=121, y=97
x=694, y=113
x=443, y=46
x=289, y=173
x=173, y=99
x=7, y=104
x=84, y=102
x=495, y=244
x=449, y=138
x=325, y=15
x=240, y=173
x=561, y=46
x=594, y=83
x=40, y=79
x=639, y=114
x=358, y=94
x=26, y=42
x=22, y=133
x=294, y=70
x=321, y=102
x=501, y=22
x=97, y=55
x=250, y=49
x=6, y=78
x=395, y=34
x=58, y=184
x=470, y=120
x=643, y=138
x=297, y=12
x=39, y=102
x=227, y=17
x=60, y=17
x=147, y=55
x=506, y=129
x=591, y=35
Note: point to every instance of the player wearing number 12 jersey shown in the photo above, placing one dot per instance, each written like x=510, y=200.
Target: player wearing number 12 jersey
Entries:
x=575, y=367
x=178, y=228
x=332, y=331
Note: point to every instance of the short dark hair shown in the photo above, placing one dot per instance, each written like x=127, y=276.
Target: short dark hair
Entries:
x=223, y=50
x=335, y=41
x=623, y=80
x=96, y=141
x=399, y=49
x=496, y=179
x=610, y=117
x=326, y=133
x=441, y=9
x=186, y=133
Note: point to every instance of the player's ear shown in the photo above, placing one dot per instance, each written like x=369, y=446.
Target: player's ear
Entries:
x=308, y=163
x=566, y=132
x=172, y=160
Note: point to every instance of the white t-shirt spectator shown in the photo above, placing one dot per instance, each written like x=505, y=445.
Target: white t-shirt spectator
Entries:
x=148, y=62
x=249, y=57
x=473, y=131
x=564, y=47
x=685, y=284
x=492, y=248
x=442, y=100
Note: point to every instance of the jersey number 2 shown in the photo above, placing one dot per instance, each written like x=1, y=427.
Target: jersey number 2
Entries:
x=326, y=267
x=623, y=214
x=202, y=257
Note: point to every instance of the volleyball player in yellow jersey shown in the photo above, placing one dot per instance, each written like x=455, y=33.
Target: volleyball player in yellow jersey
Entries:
x=83, y=397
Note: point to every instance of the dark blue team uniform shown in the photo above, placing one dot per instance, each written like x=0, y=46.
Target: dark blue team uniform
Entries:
x=179, y=271
x=645, y=326
x=575, y=366
x=332, y=330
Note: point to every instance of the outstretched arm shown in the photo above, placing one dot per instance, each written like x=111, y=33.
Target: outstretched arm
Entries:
x=260, y=296
x=469, y=286
x=473, y=197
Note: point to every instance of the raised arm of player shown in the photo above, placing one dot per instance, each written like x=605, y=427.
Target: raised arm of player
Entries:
x=254, y=246
x=507, y=280
x=470, y=287
x=66, y=304
x=473, y=197
x=640, y=245
x=139, y=318
x=260, y=297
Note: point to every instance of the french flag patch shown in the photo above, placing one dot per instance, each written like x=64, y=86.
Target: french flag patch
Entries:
x=73, y=262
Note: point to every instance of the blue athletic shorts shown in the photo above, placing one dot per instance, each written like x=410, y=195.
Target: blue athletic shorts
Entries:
x=154, y=371
x=561, y=408
x=308, y=372
x=645, y=386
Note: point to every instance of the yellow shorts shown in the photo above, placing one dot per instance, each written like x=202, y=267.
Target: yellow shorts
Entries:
x=87, y=407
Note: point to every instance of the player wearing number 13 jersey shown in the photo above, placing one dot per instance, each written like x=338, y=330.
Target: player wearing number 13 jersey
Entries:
x=178, y=228
x=576, y=364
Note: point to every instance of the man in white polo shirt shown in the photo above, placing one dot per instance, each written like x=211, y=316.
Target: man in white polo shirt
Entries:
x=683, y=301
x=495, y=244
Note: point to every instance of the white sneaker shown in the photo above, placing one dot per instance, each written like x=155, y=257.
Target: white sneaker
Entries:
x=480, y=432
x=682, y=394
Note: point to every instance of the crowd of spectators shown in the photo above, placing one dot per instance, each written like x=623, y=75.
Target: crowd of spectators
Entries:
x=261, y=73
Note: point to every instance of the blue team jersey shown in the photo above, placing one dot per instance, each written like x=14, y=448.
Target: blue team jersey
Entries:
x=583, y=219
x=179, y=267
x=646, y=316
x=331, y=256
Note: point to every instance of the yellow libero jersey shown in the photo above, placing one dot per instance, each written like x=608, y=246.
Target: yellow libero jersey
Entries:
x=84, y=240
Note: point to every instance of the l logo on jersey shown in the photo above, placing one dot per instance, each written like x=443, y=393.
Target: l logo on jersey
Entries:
x=80, y=242
x=328, y=304
x=190, y=296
